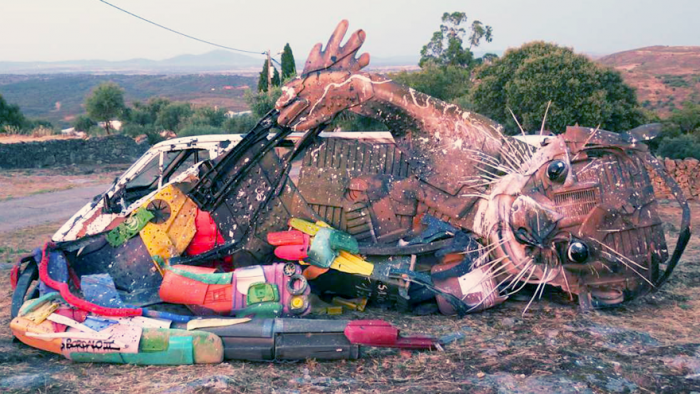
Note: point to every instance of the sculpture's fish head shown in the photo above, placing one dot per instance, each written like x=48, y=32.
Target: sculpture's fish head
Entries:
x=581, y=214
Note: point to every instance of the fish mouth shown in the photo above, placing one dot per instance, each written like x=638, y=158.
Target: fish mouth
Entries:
x=506, y=246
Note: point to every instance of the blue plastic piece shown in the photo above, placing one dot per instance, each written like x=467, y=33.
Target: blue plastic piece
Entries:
x=98, y=323
x=166, y=315
x=58, y=270
x=100, y=290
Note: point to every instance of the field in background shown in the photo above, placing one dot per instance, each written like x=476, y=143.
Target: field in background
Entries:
x=58, y=98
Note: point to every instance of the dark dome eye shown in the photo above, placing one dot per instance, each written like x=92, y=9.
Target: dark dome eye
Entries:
x=577, y=252
x=556, y=171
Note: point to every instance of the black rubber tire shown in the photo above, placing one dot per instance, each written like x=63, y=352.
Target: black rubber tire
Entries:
x=26, y=277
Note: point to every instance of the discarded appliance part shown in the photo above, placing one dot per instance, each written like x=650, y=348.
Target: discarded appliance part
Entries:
x=297, y=339
x=321, y=246
x=286, y=339
x=475, y=287
x=234, y=293
x=159, y=346
x=379, y=333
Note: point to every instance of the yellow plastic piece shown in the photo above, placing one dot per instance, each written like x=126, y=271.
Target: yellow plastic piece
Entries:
x=40, y=314
x=297, y=302
x=352, y=264
x=304, y=226
x=334, y=310
x=345, y=262
x=170, y=238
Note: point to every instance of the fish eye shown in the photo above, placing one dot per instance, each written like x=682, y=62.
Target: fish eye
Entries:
x=577, y=251
x=556, y=171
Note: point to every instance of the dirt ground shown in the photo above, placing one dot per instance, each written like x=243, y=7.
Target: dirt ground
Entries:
x=650, y=345
x=14, y=138
x=27, y=182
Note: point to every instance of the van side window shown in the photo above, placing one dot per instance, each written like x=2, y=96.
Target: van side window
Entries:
x=174, y=163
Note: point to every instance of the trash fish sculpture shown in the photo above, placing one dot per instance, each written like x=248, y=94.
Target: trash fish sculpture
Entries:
x=241, y=230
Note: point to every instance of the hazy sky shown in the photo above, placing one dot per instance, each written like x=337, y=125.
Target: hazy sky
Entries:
x=49, y=30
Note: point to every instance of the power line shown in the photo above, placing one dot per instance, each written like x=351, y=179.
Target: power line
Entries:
x=182, y=34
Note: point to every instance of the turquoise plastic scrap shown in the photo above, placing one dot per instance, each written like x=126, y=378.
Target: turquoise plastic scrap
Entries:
x=263, y=310
x=320, y=252
x=211, y=279
x=327, y=244
x=343, y=241
x=179, y=352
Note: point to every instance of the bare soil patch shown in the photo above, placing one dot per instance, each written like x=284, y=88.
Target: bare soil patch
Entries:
x=15, y=138
x=27, y=182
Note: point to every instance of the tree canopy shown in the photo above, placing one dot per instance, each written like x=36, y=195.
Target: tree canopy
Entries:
x=447, y=46
x=10, y=115
x=105, y=103
x=289, y=68
x=262, y=81
x=446, y=83
x=172, y=115
x=83, y=123
x=581, y=91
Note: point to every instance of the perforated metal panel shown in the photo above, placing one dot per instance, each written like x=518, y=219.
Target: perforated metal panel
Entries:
x=329, y=166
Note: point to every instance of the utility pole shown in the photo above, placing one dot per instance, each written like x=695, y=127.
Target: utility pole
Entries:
x=269, y=74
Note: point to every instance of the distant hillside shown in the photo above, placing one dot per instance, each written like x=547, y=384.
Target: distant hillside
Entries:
x=664, y=76
x=214, y=61
x=217, y=61
x=59, y=97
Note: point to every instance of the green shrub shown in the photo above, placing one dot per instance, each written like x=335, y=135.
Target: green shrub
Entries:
x=680, y=147
x=240, y=124
x=192, y=130
x=261, y=103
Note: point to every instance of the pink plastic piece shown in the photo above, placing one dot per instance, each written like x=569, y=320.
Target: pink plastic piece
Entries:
x=379, y=333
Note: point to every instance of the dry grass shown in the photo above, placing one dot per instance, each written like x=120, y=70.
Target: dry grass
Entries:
x=27, y=182
x=41, y=135
x=645, y=346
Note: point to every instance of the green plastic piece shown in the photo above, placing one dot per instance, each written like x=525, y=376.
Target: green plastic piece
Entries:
x=159, y=260
x=262, y=292
x=130, y=228
x=265, y=310
x=179, y=352
x=156, y=340
x=31, y=305
x=343, y=241
x=326, y=245
x=210, y=279
x=320, y=252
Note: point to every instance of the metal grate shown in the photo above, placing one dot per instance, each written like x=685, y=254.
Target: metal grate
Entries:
x=578, y=202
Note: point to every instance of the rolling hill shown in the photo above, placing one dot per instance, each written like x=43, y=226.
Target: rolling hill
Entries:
x=664, y=76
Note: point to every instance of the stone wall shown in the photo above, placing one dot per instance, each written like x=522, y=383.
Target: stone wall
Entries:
x=41, y=154
x=686, y=172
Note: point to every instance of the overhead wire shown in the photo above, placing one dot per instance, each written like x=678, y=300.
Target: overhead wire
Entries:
x=180, y=33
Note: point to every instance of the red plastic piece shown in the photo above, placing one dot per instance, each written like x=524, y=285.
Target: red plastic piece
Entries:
x=14, y=276
x=203, y=298
x=73, y=300
x=291, y=245
x=72, y=313
x=281, y=238
x=379, y=333
x=207, y=235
